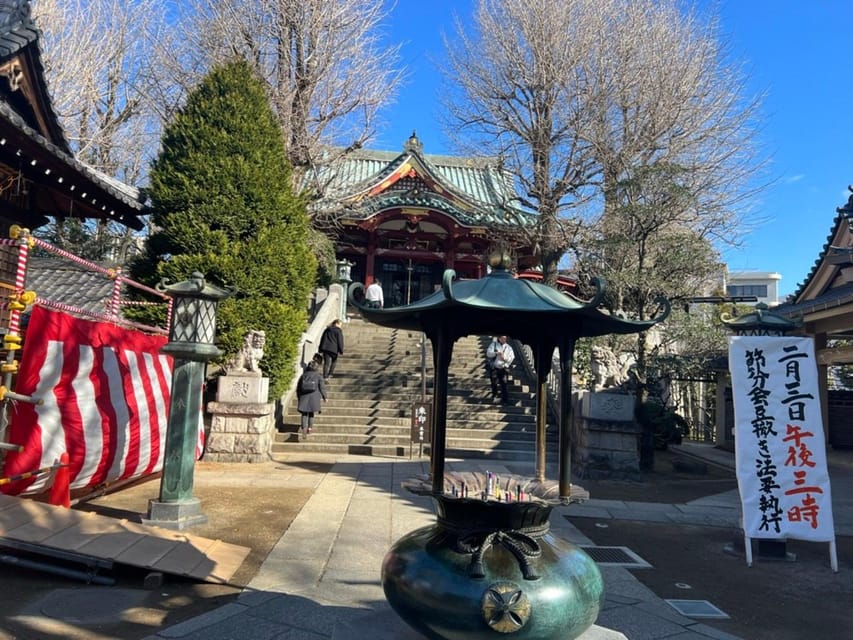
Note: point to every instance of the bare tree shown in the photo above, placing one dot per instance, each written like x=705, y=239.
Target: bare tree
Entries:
x=95, y=53
x=674, y=139
x=327, y=71
x=519, y=89
x=577, y=95
x=665, y=97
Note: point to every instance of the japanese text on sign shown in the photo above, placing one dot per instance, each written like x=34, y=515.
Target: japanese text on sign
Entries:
x=779, y=444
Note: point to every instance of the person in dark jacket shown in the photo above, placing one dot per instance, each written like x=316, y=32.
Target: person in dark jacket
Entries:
x=310, y=393
x=331, y=346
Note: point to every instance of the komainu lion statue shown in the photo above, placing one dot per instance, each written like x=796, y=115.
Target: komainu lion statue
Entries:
x=249, y=357
x=607, y=371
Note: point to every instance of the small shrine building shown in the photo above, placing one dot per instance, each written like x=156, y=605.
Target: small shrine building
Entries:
x=39, y=175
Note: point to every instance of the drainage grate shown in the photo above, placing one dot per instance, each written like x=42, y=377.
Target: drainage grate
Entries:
x=696, y=609
x=616, y=557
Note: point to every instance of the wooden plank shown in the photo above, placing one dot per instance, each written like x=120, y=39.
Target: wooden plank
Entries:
x=45, y=522
x=186, y=557
x=80, y=535
x=226, y=559
x=147, y=551
x=111, y=544
x=131, y=543
x=8, y=502
x=13, y=517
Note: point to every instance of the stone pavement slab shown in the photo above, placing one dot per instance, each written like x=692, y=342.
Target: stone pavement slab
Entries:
x=322, y=579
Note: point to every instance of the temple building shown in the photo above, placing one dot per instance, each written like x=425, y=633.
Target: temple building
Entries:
x=403, y=218
x=823, y=304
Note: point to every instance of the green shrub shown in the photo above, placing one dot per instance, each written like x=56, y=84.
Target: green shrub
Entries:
x=663, y=423
x=221, y=204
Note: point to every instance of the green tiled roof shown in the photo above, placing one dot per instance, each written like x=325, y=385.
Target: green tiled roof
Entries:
x=478, y=182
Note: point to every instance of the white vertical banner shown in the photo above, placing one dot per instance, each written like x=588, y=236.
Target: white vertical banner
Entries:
x=780, y=450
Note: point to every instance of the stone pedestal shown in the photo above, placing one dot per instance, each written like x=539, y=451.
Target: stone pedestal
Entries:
x=240, y=432
x=179, y=515
x=242, y=388
x=606, y=437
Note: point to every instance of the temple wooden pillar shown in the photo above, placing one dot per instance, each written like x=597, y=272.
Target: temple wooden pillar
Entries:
x=370, y=260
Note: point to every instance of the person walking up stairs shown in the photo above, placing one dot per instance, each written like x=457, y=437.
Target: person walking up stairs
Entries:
x=380, y=380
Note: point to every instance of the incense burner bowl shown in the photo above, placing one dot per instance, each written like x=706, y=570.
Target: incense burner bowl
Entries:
x=490, y=567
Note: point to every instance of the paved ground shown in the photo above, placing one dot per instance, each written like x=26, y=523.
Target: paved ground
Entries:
x=247, y=504
x=775, y=599
x=298, y=514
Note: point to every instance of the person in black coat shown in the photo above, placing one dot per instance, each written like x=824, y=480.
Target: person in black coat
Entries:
x=331, y=346
x=310, y=394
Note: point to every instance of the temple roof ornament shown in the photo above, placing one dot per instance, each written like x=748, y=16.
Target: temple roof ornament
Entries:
x=413, y=144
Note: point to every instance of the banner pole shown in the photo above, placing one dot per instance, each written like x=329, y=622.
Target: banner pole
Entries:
x=833, y=556
x=747, y=547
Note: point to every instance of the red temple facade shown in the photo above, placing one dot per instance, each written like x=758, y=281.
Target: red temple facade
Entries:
x=403, y=218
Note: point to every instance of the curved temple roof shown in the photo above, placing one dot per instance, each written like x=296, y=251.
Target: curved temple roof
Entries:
x=760, y=320
x=500, y=304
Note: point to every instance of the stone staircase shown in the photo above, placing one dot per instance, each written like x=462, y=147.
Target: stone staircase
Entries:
x=379, y=378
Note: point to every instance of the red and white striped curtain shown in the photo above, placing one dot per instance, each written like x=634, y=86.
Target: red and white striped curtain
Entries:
x=105, y=401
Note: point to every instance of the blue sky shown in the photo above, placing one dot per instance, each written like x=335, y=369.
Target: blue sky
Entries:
x=796, y=51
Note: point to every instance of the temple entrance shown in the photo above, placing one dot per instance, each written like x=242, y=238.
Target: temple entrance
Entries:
x=405, y=281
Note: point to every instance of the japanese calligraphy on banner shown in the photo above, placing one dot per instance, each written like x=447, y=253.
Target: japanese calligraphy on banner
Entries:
x=780, y=449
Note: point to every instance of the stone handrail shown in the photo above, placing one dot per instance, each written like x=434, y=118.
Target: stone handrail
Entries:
x=329, y=309
x=553, y=386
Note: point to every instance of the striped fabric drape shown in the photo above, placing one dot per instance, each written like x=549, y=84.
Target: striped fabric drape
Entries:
x=105, y=401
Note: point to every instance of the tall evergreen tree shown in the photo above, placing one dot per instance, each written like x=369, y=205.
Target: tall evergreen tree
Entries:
x=221, y=204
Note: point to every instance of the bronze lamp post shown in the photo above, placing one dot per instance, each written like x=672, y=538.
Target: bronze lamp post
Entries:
x=192, y=329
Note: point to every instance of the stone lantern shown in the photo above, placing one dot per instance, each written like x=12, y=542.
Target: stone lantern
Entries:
x=192, y=328
x=344, y=267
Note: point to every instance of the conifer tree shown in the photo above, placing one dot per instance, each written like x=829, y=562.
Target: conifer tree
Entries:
x=221, y=204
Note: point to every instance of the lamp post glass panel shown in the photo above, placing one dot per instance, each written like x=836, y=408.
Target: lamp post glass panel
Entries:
x=192, y=328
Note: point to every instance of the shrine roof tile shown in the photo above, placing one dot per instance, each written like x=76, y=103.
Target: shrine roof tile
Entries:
x=17, y=29
x=477, y=181
x=65, y=282
x=844, y=216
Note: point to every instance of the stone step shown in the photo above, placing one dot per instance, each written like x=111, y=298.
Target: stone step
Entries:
x=374, y=427
x=380, y=376
x=407, y=385
x=382, y=450
x=403, y=398
x=368, y=415
x=519, y=433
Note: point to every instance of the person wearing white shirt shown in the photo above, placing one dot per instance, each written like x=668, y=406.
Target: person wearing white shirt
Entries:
x=373, y=295
x=500, y=356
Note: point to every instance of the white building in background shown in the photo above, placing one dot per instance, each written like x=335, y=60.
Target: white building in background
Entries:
x=764, y=285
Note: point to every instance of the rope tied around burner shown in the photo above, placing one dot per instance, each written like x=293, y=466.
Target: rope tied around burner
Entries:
x=521, y=543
